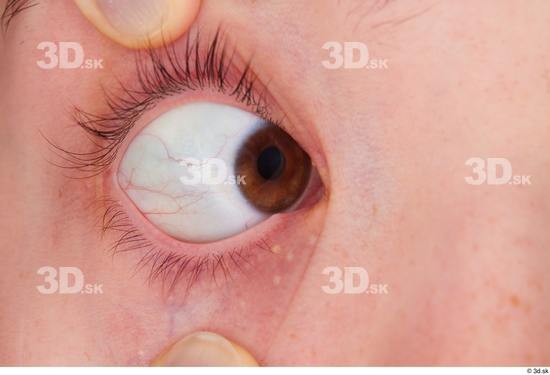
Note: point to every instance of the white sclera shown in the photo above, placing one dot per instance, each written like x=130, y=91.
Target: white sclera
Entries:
x=157, y=159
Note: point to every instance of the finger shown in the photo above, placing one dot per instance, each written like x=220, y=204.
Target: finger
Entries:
x=140, y=23
x=205, y=349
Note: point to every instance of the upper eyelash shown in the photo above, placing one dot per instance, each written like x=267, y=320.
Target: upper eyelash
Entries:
x=160, y=73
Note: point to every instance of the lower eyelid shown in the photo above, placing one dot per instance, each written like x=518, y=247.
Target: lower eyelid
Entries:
x=131, y=232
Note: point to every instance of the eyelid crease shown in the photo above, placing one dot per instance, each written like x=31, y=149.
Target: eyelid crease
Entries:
x=161, y=73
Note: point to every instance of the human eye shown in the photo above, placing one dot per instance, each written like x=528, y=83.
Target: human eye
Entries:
x=196, y=166
x=204, y=171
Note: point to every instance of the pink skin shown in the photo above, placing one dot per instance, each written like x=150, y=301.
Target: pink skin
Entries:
x=466, y=266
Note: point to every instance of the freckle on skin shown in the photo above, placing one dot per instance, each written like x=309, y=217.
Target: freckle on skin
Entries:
x=514, y=300
x=276, y=249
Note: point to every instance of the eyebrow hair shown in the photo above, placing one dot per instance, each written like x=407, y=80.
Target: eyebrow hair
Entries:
x=12, y=9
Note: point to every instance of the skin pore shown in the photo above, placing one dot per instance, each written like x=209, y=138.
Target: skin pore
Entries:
x=466, y=266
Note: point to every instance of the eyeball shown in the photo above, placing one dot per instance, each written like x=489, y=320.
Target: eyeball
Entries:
x=204, y=171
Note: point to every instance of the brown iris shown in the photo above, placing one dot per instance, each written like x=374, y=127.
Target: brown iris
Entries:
x=275, y=168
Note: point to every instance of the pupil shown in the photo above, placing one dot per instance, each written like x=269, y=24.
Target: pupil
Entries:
x=271, y=163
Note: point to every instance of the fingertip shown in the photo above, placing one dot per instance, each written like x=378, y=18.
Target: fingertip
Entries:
x=205, y=349
x=140, y=23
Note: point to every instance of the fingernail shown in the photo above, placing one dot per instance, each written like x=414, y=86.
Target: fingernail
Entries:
x=134, y=17
x=205, y=349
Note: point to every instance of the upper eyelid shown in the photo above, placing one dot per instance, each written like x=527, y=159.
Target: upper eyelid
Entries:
x=161, y=73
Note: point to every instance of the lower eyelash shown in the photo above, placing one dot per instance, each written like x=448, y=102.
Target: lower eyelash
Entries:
x=170, y=267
